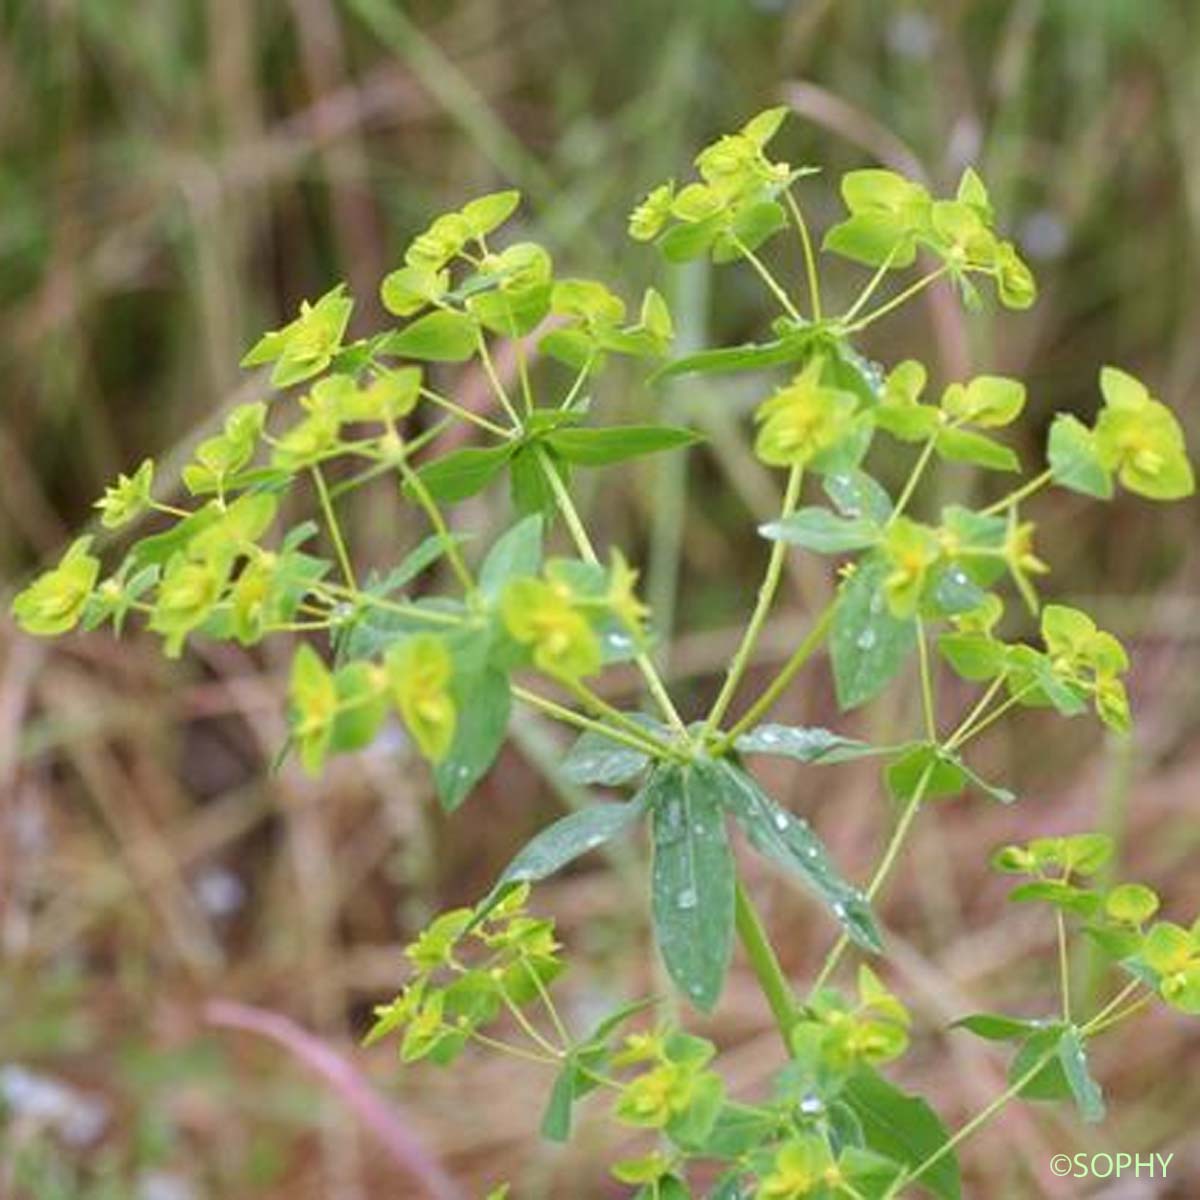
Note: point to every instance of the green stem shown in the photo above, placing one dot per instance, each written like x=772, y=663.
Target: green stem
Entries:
x=1115, y=1003
x=566, y=506
x=1093, y=1027
x=1064, y=965
x=914, y=478
x=895, y=302
x=981, y=1118
x=810, y=260
x=975, y=713
x=761, y=955
x=867, y=292
x=384, y=464
x=927, y=700
x=416, y=485
x=547, y=1003
x=766, y=597
x=578, y=383
x=530, y=1029
x=489, y=369
x=894, y=846
x=516, y=1051
x=335, y=530
x=1026, y=490
x=337, y=594
x=992, y=717
x=465, y=414
x=614, y=716
x=769, y=279
x=575, y=526
x=776, y=688
x=645, y=742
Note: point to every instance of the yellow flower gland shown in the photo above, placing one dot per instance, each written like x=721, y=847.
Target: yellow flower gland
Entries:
x=419, y=672
x=911, y=551
x=798, y=1170
x=541, y=615
x=1018, y=549
x=652, y=1099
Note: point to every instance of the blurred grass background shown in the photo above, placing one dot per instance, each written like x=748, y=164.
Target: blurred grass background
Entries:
x=173, y=179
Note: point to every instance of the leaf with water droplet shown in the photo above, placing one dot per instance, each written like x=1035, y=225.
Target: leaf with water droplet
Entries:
x=483, y=701
x=789, y=842
x=868, y=644
x=804, y=744
x=692, y=882
x=596, y=759
x=561, y=843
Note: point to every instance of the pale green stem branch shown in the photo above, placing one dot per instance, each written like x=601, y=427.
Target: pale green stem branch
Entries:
x=416, y=485
x=579, y=534
x=489, y=369
x=895, y=302
x=777, y=686
x=762, y=609
x=335, y=530
x=867, y=292
x=465, y=414
x=810, y=259
x=1022, y=493
x=769, y=279
x=645, y=742
x=927, y=700
x=764, y=963
x=890, y=854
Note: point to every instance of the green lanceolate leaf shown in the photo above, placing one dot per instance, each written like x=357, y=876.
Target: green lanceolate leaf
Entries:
x=996, y=1027
x=615, y=443
x=1049, y=1082
x=556, y=1120
x=747, y=357
x=1075, y=1067
x=516, y=552
x=820, y=530
x=419, y=559
x=804, y=744
x=868, y=644
x=790, y=842
x=904, y=1129
x=596, y=759
x=463, y=473
x=436, y=337
x=483, y=702
x=692, y=881
x=567, y=839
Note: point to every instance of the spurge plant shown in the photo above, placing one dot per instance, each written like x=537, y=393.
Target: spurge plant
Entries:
x=518, y=625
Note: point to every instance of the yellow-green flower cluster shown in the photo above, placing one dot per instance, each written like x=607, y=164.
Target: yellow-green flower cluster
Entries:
x=839, y=1035
x=804, y=420
x=547, y=616
x=306, y=346
x=890, y=217
x=54, y=602
x=731, y=208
